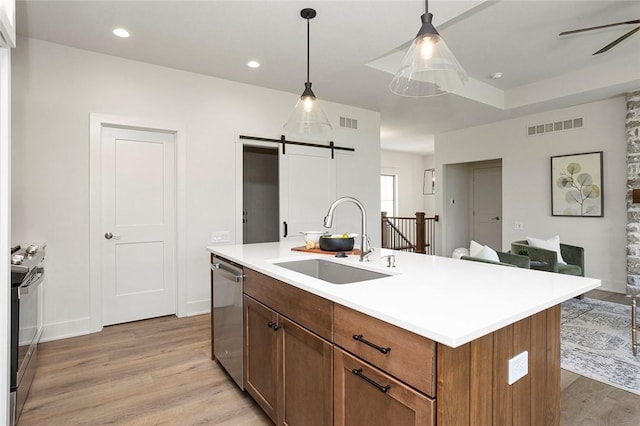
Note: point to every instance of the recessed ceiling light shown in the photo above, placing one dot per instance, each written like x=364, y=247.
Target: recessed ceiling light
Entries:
x=121, y=32
x=496, y=75
x=253, y=64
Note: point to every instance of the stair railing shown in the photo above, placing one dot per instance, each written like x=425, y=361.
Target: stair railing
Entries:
x=415, y=234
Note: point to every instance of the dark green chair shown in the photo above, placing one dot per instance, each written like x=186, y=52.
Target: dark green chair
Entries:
x=506, y=259
x=573, y=255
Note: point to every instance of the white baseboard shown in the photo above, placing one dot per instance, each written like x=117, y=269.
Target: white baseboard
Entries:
x=82, y=326
x=198, y=307
x=613, y=286
x=65, y=329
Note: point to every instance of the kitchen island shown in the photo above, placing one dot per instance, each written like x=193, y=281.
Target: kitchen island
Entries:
x=455, y=327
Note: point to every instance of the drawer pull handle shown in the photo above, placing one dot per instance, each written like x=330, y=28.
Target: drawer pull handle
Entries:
x=358, y=372
x=360, y=338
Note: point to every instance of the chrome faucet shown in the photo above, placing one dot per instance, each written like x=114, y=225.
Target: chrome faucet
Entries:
x=364, y=238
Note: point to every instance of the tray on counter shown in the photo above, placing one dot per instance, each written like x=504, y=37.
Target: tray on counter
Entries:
x=320, y=251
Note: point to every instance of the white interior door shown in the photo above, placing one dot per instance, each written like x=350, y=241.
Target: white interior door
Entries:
x=307, y=189
x=487, y=206
x=138, y=264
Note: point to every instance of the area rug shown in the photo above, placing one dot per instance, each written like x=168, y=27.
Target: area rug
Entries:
x=596, y=343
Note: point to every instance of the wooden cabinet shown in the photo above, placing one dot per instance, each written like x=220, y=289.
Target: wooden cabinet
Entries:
x=472, y=378
x=261, y=361
x=405, y=355
x=368, y=385
x=365, y=395
x=288, y=369
x=307, y=382
x=385, y=374
x=310, y=311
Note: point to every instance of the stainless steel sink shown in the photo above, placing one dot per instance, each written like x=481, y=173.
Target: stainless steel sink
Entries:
x=335, y=273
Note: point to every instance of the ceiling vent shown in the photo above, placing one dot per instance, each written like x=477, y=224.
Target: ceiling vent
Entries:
x=556, y=126
x=349, y=123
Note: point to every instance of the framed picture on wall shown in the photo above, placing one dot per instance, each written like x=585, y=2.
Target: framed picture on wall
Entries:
x=576, y=185
x=429, y=182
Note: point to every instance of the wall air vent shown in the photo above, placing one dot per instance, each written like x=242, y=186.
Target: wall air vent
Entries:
x=556, y=126
x=349, y=123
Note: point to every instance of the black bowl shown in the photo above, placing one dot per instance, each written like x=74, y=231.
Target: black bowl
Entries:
x=336, y=243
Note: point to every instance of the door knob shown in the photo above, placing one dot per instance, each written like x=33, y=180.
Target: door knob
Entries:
x=497, y=218
x=109, y=236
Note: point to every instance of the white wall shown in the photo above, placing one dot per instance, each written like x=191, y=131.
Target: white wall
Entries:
x=409, y=169
x=456, y=206
x=56, y=88
x=526, y=178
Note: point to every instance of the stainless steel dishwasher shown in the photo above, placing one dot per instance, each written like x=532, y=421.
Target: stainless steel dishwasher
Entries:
x=227, y=316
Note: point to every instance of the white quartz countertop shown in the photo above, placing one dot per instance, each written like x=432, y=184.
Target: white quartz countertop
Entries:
x=447, y=300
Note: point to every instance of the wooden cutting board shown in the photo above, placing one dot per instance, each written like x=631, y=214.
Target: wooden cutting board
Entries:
x=320, y=251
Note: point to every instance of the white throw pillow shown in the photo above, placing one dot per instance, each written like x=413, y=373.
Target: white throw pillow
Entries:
x=552, y=244
x=475, y=248
x=487, y=253
x=483, y=252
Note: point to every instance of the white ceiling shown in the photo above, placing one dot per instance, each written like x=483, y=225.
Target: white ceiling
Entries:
x=348, y=38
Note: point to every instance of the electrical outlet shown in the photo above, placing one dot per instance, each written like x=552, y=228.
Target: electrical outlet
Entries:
x=220, y=237
x=518, y=367
x=518, y=226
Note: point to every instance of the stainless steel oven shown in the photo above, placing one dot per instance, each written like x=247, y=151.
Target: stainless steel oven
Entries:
x=27, y=275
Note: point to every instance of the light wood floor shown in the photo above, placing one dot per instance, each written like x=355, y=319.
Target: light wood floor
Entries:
x=154, y=372
x=159, y=372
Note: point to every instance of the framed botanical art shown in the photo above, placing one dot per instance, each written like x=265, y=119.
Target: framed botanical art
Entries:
x=576, y=185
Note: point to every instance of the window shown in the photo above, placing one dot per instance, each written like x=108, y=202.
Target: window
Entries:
x=388, y=194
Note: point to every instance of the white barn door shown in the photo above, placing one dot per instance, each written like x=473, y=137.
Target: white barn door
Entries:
x=138, y=175
x=307, y=189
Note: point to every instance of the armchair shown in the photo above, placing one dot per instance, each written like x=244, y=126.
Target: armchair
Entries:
x=506, y=259
x=573, y=255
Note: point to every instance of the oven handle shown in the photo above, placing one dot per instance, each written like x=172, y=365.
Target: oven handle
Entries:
x=24, y=289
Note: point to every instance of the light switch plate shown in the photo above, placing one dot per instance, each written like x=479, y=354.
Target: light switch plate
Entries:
x=518, y=226
x=220, y=237
x=518, y=367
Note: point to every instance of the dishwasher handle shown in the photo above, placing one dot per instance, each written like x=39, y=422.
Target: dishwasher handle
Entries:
x=238, y=274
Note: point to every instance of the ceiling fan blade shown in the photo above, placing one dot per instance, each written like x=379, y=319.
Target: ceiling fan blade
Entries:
x=618, y=40
x=635, y=21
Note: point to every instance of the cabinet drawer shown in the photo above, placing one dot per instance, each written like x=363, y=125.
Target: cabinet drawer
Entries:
x=364, y=395
x=312, y=312
x=409, y=357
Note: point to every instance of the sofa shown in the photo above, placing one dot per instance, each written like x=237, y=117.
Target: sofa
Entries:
x=506, y=259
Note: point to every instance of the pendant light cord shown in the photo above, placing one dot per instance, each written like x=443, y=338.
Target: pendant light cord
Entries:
x=307, y=50
x=426, y=6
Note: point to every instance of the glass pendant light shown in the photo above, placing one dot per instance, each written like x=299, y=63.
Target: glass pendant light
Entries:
x=429, y=68
x=307, y=120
